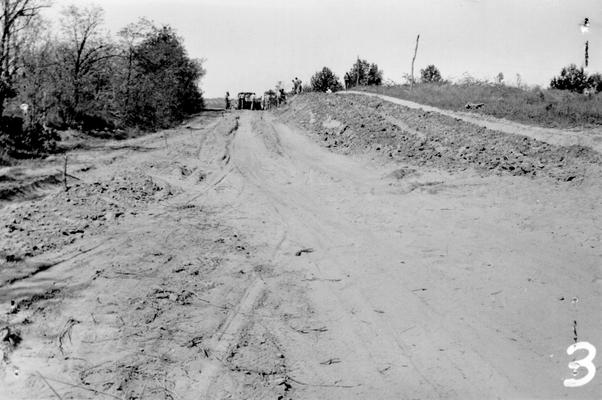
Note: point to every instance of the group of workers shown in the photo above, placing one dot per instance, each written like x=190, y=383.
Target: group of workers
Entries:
x=268, y=100
x=273, y=99
x=297, y=86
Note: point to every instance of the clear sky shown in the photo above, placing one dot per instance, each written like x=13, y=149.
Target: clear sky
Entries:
x=250, y=45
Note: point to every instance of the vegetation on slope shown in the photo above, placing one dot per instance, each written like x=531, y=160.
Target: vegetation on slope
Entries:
x=544, y=107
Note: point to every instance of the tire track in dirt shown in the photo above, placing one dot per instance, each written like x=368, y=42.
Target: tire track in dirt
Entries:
x=424, y=293
x=239, y=319
x=163, y=216
x=371, y=305
x=243, y=317
x=297, y=216
x=227, y=336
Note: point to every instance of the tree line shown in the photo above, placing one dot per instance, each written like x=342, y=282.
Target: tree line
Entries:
x=74, y=74
x=363, y=73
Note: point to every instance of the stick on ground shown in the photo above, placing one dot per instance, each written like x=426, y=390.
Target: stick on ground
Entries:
x=50, y=386
x=65, y=173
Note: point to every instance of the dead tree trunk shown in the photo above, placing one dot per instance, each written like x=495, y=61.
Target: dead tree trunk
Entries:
x=414, y=59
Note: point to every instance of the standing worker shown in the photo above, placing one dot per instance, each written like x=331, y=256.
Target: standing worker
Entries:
x=299, y=86
x=227, y=100
x=347, y=80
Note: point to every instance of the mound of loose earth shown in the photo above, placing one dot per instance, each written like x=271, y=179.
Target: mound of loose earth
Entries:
x=64, y=217
x=353, y=124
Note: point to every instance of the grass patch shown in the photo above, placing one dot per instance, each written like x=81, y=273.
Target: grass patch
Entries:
x=543, y=107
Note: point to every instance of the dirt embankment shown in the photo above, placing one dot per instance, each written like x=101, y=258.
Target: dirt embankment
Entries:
x=355, y=123
x=65, y=216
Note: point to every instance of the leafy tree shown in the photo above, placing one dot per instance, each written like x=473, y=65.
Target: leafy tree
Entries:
x=83, y=54
x=84, y=78
x=571, y=78
x=363, y=73
x=166, y=81
x=375, y=76
x=325, y=79
x=130, y=37
x=358, y=74
x=430, y=74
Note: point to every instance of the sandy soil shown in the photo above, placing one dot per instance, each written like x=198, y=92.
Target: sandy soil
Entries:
x=248, y=258
x=564, y=137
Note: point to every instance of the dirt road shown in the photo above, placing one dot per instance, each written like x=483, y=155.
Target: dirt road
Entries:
x=278, y=269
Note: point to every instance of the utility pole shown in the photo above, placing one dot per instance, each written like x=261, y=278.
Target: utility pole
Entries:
x=585, y=29
x=414, y=59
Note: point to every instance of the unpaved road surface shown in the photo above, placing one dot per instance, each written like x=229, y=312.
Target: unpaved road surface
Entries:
x=282, y=256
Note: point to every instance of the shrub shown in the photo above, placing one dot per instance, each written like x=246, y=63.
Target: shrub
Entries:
x=571, y=78
x=430, y=74
x=595, y=82
x=363, y=73
x=324, y=80
x=21, y=140
x=375, y=75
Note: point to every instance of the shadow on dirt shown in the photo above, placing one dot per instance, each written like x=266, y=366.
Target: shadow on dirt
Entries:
x=103, y=146
x=28, y=190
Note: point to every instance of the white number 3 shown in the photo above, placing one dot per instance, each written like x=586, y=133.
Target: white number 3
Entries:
x=585, y=362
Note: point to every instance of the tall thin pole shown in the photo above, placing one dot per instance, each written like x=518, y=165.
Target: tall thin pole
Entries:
x=585, y=29
x=414, y=59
